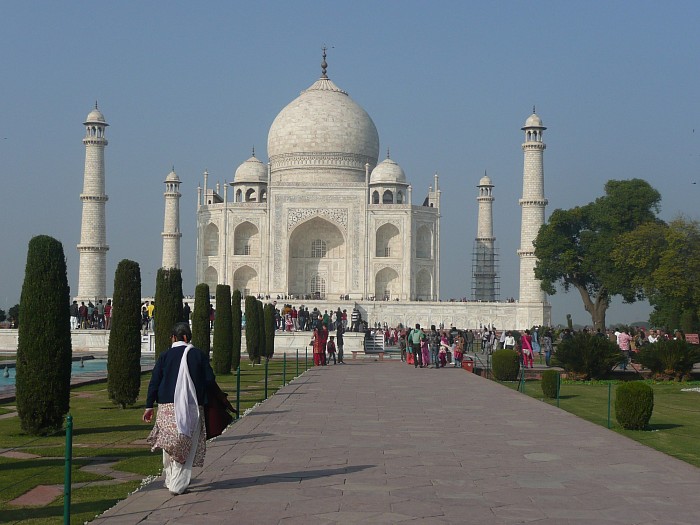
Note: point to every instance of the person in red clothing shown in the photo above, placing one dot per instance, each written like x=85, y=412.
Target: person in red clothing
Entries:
x=319, y=341
x=526, y=343
x=108, y=315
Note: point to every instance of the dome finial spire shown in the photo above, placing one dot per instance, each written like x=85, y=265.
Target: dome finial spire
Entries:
x=253, y=150
x=388, y=153
x=324, y=65
x=533, y=109
x=95, y=103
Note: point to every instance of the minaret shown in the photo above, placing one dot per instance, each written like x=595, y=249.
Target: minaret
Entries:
x=532, y=204
x=171, y=226
x=92, y=281
x=484, y=262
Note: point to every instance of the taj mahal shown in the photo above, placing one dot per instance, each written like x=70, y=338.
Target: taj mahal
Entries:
x=326, y=223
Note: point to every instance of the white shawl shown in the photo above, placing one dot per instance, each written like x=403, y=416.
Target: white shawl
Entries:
x=186, y=407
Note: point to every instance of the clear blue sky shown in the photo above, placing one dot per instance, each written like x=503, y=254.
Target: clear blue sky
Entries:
x=448, y=84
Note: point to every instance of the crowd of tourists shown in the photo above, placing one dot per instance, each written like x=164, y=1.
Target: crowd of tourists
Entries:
x=289, y=318
x=91, y=316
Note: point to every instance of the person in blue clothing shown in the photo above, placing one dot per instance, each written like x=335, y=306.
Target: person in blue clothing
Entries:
x=178, y=385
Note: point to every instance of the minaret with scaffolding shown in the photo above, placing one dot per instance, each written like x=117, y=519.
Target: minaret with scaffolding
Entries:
x=485, y=282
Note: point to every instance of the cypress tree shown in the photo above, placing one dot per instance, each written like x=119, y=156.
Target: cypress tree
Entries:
x=201, y=333
x=269, y=330
x=124, y=349
x=223, y=334
x=44, y=348
x=168, y=306
x=236, y=327
x=251, y=328
x=261, y=329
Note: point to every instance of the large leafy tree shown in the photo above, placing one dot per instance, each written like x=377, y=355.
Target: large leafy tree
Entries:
x=124, y=349
x=575, y=247
x=223, y=335
x=44, y=348
x=201, y=331
x=168, y=306
x=664, y=260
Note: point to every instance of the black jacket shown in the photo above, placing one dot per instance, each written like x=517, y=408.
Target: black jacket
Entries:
x=161, y=389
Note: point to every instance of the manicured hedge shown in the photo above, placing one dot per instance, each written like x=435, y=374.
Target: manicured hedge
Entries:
x=201, y=331
x=124, y=348
x=44, y=347
x=223, y=336
x=588, y=356
x=506, y=365
x=634, y=404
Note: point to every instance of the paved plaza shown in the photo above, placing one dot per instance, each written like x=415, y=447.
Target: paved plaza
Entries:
x=383, y=442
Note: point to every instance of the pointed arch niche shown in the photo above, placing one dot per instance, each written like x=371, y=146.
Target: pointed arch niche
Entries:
x=424, y=242
x=424, y=285
x=211, y=277
x=246, y=239
x=386, y=285
x=388, y=241
x=245, y=279
x=211, y=240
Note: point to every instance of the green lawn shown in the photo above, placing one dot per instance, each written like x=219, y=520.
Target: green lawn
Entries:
x=675, y=422
x=103, y=432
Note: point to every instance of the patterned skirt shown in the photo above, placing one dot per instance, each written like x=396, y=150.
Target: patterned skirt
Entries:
x=166, y=436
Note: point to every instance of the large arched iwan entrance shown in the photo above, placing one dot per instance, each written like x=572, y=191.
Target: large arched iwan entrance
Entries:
x=317, y=260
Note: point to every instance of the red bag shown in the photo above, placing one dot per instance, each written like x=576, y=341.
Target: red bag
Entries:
x=217, y=411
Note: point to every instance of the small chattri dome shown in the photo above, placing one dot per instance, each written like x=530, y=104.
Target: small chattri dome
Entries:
x=387, y=172
x=96, y=117
x=485, y=181
x=172, y=177
x=533, y=121
x=251, y=171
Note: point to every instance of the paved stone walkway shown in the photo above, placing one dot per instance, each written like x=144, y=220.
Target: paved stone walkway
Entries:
x=386, y=443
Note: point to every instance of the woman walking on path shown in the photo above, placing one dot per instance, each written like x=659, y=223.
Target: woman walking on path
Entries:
x=178, y=384
x=526, y=342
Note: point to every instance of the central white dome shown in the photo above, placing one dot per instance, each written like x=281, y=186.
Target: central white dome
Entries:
x=321, y=130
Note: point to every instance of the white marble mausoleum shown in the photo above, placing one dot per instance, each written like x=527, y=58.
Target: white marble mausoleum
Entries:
x=323, y=219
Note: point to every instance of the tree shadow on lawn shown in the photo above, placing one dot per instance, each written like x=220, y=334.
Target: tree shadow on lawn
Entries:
x=18, y=514
x=20, y=464
x=663, y=426
x=78, y=431
x=284, y=477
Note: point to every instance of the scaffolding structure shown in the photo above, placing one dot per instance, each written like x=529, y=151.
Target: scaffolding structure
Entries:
x=485, y=279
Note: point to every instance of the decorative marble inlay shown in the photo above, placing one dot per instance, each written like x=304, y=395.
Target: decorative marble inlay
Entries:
x=296, y=216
